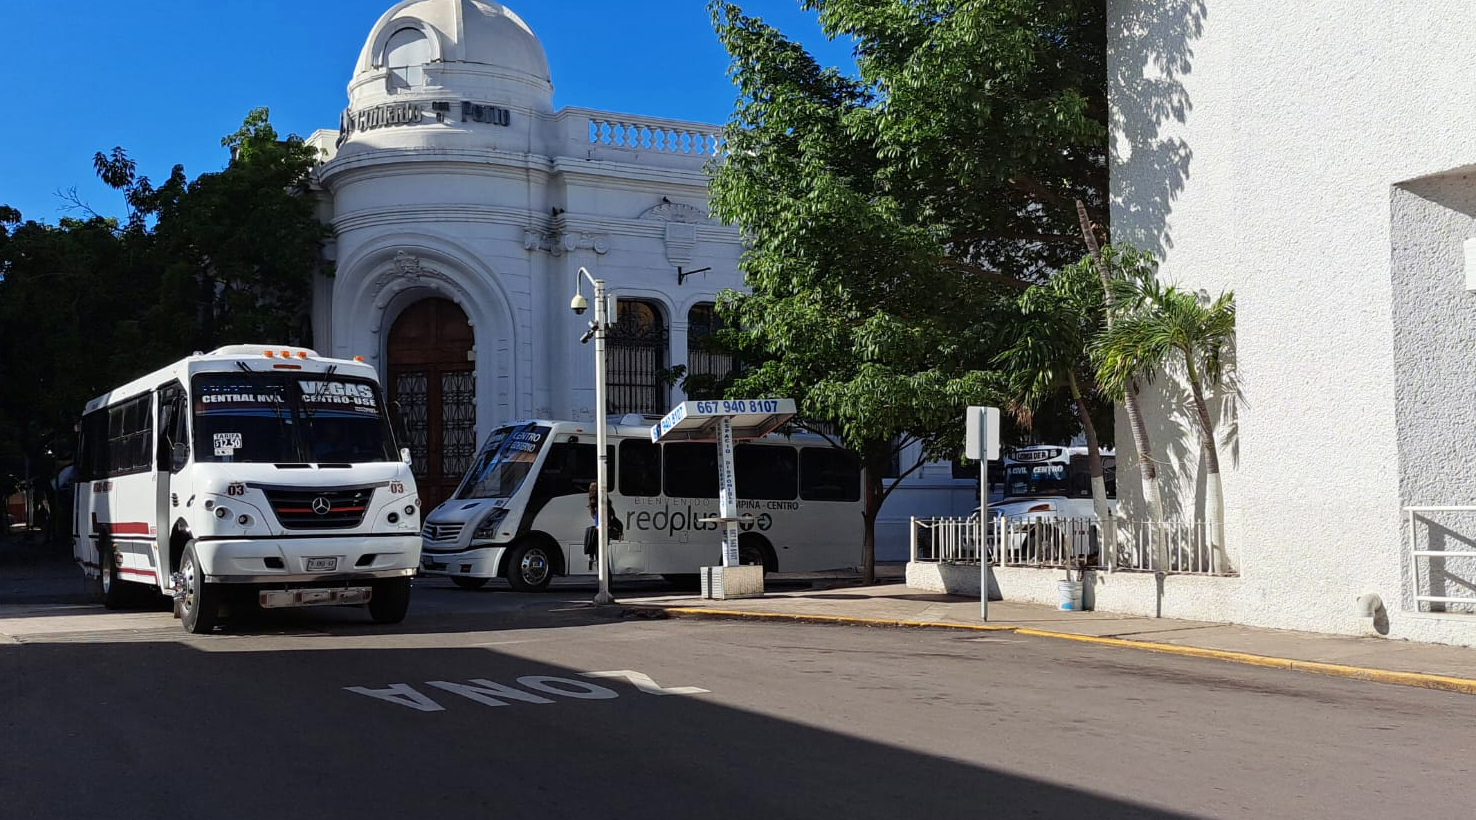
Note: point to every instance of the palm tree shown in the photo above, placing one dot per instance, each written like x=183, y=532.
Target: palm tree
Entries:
x=1050, y=352
x=1132, y=263
x=1161, y=326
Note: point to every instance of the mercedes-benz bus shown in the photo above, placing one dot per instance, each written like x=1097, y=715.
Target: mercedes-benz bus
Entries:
x=521, y=511
x=247, y=476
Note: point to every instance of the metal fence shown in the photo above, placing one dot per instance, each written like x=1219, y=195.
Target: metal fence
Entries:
x=1179, y=547
x=1442, y=558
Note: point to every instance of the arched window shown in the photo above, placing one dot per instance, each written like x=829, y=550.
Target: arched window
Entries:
x=635, y=357
x=404, y=55
x=703, y=358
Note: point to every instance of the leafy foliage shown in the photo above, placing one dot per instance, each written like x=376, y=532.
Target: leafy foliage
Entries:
x=892, y=216
x=87, y=304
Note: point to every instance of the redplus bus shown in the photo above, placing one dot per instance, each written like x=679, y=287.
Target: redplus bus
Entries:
x=522, y=509
x=247, y=476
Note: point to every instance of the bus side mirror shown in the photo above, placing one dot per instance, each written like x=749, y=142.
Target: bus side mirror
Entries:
x=179, y=456
x=405, y=454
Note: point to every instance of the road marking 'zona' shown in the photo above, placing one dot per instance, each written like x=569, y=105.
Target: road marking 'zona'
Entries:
x=489, y=693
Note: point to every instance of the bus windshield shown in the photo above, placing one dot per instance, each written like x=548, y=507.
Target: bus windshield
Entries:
x=289, y=418
x=1035, y=479
x=505, y=461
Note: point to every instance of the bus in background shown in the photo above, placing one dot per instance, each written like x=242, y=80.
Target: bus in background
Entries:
x=521, y=511
x=1044, y=483
x=248, y=476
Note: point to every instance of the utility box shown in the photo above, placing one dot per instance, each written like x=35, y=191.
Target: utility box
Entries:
x=724, y=583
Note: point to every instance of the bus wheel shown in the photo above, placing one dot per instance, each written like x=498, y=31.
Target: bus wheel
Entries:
x=390, y=601
x=111, y=591
x=754, y=550
x=199, y=609
x=468, y=582
x=529, y=567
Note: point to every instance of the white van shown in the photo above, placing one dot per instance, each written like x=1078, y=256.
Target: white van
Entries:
x=247, y=476
x=522, y=509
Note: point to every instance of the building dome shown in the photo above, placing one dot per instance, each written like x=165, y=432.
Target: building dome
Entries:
x=476, y=47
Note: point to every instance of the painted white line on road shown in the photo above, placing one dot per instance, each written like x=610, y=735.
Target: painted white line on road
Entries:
x=490, y=693
x=644, y=683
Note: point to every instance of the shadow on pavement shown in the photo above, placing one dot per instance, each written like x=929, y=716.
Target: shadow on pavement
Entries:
x=281, y=733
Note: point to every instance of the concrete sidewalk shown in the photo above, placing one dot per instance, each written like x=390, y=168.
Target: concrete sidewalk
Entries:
x=1430, y=666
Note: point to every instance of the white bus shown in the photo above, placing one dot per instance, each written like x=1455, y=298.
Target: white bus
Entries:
x=1048, y=499
x=247, y=476
x=521, y=511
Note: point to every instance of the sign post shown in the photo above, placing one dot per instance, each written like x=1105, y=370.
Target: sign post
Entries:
x=981, y=441
x=723, y=422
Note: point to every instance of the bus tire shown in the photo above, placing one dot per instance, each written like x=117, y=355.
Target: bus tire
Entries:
x=390, y=600
x=110, y=590
x=530, y=566
x=199, y=609
x=684, y=580
x=468, y=582
x=755, y=550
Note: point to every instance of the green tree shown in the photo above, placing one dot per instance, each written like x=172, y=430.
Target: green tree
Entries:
x=1050, y=354
x=238, y=248
x=1167, y=327
x=89, y=303
x=893, y=215
x=1114, y=264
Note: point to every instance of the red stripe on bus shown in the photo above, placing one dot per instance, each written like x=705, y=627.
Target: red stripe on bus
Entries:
x=126, y=527
x=145, y=573
x=310, y=509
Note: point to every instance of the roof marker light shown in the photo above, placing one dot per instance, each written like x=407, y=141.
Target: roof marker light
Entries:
x=302, y=354
x=269, y=354
x=358, y=358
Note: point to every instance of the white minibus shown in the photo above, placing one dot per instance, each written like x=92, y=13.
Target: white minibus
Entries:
x=248, y=476
x=522, y=509
x=1048, y=499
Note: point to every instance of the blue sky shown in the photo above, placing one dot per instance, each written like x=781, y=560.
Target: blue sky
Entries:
x=166, y=80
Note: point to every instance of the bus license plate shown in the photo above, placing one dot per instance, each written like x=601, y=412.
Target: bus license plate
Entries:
x=322, y=564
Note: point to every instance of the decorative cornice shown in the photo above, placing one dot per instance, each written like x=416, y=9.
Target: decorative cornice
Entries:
x=559, y=243
x=677, y=212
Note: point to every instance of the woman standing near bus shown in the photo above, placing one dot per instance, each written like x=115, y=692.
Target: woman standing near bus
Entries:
x=592, y=533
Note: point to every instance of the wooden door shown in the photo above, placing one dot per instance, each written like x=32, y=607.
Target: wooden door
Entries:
x=432, y=380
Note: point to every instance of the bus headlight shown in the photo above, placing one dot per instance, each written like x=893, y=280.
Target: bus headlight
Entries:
x=488, y=527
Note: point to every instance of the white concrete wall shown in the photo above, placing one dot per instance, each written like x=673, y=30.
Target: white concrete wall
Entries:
x=1258, y=146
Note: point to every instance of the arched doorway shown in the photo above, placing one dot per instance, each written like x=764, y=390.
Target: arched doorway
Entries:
x=432, y=378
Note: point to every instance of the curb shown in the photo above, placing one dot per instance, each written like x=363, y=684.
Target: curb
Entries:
x=1420, y=680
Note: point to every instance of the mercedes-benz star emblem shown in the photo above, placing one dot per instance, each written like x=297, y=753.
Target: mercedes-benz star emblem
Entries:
x=322, y=506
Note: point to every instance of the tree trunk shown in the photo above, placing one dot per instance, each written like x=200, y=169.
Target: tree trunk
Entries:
x=873, y=500
x=1214, y=501
x=1147, y=467
x=1094, y=465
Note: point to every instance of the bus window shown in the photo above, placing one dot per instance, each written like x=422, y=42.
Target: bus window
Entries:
x=691, y=470
x=640, y=468
x=1109, y=472
x=766, y=472
x=504, y=462
x=569, y=469
x=829, y=474
x=130, y=436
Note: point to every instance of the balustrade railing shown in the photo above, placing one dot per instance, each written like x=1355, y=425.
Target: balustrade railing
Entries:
x=660, y=137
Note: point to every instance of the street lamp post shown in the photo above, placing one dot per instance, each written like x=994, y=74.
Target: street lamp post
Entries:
x=597, y=328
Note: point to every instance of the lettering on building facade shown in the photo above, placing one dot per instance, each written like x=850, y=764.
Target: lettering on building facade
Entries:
x=415, y=113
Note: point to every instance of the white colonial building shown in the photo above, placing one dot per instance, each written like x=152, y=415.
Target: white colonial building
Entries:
x=1321, y=165
x=464, y=204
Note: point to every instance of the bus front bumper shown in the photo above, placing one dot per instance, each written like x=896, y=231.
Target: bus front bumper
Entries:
x=480, y=562
x=285, y=560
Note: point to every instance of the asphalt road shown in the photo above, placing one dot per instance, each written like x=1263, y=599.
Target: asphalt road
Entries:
x=493, y=704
